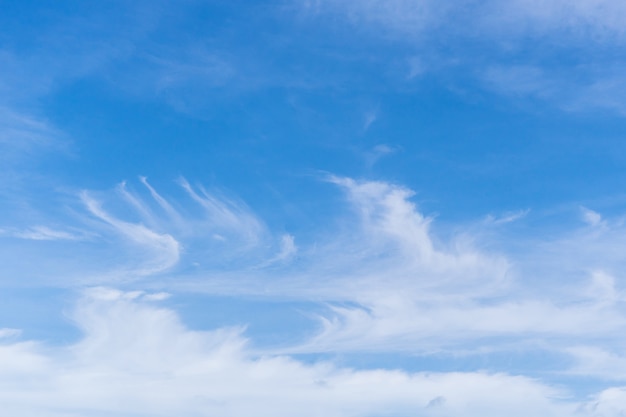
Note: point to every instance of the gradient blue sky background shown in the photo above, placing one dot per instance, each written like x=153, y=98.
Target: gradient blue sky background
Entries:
x=312, y=208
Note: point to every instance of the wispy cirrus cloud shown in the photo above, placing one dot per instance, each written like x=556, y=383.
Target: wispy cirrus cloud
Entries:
x=225, y=214
x=21, y=131
x=141, y=234
x=404, y=282
x=220, y=310
x=45, y=233
x=595, y=20
x=550, y=70
x=165, y=234
x=163, y=250
x=24, y=138
x=411, y=17
x=391, y=237
x=585, y=20
x=583, y=89
x=386, y=280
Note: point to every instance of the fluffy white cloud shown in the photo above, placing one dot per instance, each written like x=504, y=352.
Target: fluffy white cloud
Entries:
x=136, y=358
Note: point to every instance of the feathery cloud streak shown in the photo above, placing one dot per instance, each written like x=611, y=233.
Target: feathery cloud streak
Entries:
x=392, y=286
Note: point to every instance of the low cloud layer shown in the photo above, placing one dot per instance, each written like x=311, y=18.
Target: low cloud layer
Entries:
x=136, y=358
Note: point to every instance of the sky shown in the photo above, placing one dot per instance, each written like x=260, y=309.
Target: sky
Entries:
x=312, y=208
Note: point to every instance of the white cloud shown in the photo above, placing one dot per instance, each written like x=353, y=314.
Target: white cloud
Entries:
x=591, y=217
x=17, y=359
x=402, y=324
x=377, y=152
x=24, y=137
x=370, y=117
x=508, y=33
x=4, y=333
x=46, y=233
x=609, y=403
x=391, y=281
x=605, y=90
x=139, y=359
x=591, y=19
x=521, y=81
x=408, y=289
x=288, y=247
x=128, y=234
x=574, y=89
x=165, y=205
x=602, y=287
x=598, y=362
x=404, y=16
x=200, y=68
x=417, y=67
x=394, y=240
x=394, y=285
x=287, y=251
x=505, y=218
x=162, y=250
x=160, y=235
x=227, y=215
x=595, y=19
x=22, y=131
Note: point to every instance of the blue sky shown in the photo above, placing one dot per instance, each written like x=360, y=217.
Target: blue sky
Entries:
x=323, y=207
